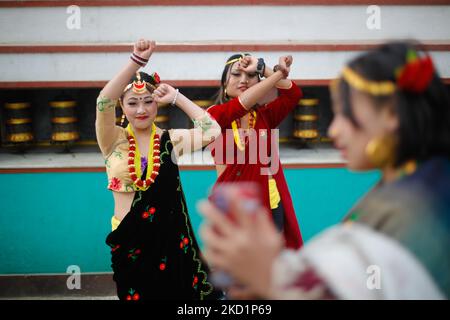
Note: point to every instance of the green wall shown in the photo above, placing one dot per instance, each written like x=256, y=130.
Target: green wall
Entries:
x=49, y=221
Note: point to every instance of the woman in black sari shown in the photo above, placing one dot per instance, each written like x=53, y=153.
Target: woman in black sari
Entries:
x=154, y=251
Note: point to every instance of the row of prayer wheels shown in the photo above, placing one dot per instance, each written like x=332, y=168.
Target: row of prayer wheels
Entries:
x=19, y=122
x=162, y=119
x=63, y=118
x=305, y=117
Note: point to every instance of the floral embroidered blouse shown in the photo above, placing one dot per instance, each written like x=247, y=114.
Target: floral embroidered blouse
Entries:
x=113, y=142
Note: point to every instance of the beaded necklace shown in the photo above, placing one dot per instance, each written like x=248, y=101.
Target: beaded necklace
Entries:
x=235, y=125
x=134, y=160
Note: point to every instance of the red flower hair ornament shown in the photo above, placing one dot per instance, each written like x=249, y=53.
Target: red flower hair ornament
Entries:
x=416, y=75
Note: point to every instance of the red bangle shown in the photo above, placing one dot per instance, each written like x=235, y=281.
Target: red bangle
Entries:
x=137, y=62
x=143, y=60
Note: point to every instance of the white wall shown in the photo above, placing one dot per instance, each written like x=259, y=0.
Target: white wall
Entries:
x=170, y=66
x=206, y=25
x=220, y=23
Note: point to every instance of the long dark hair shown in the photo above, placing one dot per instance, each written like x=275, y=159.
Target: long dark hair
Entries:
x=220, y=97
x=424, y=118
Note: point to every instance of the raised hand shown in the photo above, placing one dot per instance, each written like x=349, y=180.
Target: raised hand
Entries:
x=144, y=48
x=164, y=94
x=285, y=62
x=248, y=64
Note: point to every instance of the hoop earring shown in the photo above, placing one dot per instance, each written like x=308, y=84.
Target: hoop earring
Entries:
x=381, y=151
x=225, y=94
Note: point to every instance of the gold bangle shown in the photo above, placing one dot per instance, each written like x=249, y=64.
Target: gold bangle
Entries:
x=65, y=136
x=20, y=137
x=17, y=105
x=306, y=134
x=63, y=104
x=203, y=103
x=18, y=121
x=308, y=102
x=306, y=117
x=162, y=118
x=64, y=120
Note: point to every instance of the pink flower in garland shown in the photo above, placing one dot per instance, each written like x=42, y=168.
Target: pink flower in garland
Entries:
x=115, y=184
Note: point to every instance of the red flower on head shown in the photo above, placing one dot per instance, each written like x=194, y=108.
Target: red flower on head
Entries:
x=417, y=74
x=115, y=184
x=156, y=77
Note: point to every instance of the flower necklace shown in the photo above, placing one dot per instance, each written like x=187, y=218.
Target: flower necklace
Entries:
x=235, y=125
x=134, y=160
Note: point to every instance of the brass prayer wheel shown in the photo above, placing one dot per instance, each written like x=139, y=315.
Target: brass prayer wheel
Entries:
x=19, y=122
x=119, y=114
x=64, y=121
x=162, y=119
x=204, y=104
x=306, y=119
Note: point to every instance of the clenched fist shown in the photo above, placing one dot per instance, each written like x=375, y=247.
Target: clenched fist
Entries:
x=164, y=94
x=144, y=48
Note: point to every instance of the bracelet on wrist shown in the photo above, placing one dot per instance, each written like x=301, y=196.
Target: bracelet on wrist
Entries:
x=138, y=60
x=175, y=97
x=283, y=70
x=260, y=67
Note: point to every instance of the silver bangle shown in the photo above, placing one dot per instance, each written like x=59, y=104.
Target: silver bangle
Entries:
x=175, y=98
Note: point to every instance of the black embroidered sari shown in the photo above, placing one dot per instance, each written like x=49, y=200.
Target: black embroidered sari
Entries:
x=154, y=251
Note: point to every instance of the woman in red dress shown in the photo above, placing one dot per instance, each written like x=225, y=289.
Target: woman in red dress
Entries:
x=247, y=150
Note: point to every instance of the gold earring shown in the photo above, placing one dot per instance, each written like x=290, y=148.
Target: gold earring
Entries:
x=122, y=120
x=381, y=151
x=225, y=94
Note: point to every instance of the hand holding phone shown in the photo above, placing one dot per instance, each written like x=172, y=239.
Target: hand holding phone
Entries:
x=249, y=196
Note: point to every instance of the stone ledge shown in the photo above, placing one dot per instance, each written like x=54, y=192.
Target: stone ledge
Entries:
x=54, y=286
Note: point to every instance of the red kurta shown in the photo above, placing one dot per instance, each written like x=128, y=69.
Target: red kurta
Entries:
x=244, y=166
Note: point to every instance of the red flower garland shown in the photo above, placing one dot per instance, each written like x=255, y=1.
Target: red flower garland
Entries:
x=156, y=163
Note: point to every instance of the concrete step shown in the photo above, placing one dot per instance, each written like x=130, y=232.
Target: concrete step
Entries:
x=90, y=286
